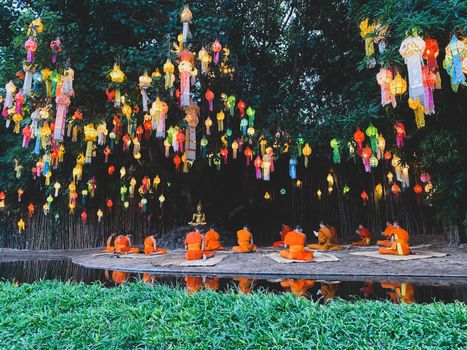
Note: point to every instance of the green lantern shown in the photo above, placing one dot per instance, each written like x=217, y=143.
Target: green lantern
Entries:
x=336, y=157
x=372, y=133
x=250, y=112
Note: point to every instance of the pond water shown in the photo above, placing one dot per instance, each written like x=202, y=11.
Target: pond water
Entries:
x=64, y=270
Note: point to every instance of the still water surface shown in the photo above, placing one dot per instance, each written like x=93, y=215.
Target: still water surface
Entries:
x=408, y=292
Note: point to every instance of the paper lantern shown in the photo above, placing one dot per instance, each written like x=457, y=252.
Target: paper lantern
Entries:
x=412, y=49
x=336, y=157
x=373, y=161
x=2, y=200
x=330, y=180
x=21, y=225
x=293, y=168
x=366, y=155
x=364, y=197
x=209, y=96
x=384, y=78
x=248, y=155
x=345, y=189
x=372, y=133
x=241, y=107
x=395, y=189
x=250, y=112
x=359, y=137
x=216, y=49
x=117, y=76
x=231, y=104
x=31, y=209
x=398, y=85
x=453, y=62
x=169, y=78
x=35, y=27
x=306, y=153
x=31, y=47
x=257, y=163
x=177, y=160
x=100, y=214
x=186, y=16
x=380, y=145
x=57, y=188
x=205, y=59
x=379, y=191
x=20, y=194
x=399, y=128
x=319, y=194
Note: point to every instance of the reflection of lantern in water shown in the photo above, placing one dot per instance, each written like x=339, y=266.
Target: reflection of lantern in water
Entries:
x=293, y=168
x=84, y=217
x=161, y=200
x=345, y=190
x=330, y=180
x=208, y=124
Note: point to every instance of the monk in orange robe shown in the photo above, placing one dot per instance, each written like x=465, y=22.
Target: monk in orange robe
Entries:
x=284, y=230
x=400, y=242
x=368, y=289
x=193, y=284
x=211, y=283
x=387, y=233
x=212, y=240
x=295, y=241
x=110, y=244
x=123, y=245
x=245, y=241
x=365, y=236
x=194, y=244
x=150, y=246
x=327, y=236
x=297, y=287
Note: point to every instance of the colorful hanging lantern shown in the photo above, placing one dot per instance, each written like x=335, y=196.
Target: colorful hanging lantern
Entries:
x=453, y=62
x=21, y=225
x=248, y=155
x=241, y=108
x=186, y=16
x=364, y=197
x=380, y=145
x=144, y=83
x=372, y=133
x=231, y=104
x=169, y=77
x=398, y=85
x=395, y=189
x=384, y=78
x=306, y=153
x=412, y=49
x=243, y=125
x=31, y=209
x=367, y=33
x=100, y=214
x=419, y=112
x=185, y=68
x=335, y=145
x=366, y=155
x=293, y=168
x=399, y=128
x=373, y=161
x=258, y=163
x=177, y=160
x=319, y=194
x=161, y=200
x=379, y=191
x=216, y=49
x=117, y=76
x=203, y=144
x=234, y=149
x=359, y=137
x=63, y=102
x=418, y=191
x=209, y=96
x=224, y=154
x=250, y=112
x=330, y=180
x=220, y=121
x=31, y=46
x=390, y=177
x=205, y=59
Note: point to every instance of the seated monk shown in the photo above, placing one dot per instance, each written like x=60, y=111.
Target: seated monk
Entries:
x=365, y=236
x=400, y=242
x=194, y=244
x=150, y=246
x=297, y=287
x=387, y=233
x=295, y=241
x=123, y=245
x=284, y=230
x=212, y=240
x=327, y=236
x=193, y=284
x=120, y=277
x=110, y=244
x=245, y=241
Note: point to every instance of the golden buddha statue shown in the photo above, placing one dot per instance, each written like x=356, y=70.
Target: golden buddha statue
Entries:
x=198, y=218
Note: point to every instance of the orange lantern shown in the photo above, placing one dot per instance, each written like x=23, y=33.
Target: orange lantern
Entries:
x=2, y=200
x=209, y=95
x=359, y=137
x=248, y=155
x=31, y=209
x=84, y=217
x=364, y=197
x=177, y=160
x=109, y=204
x=418, y=191
x=241, y=107
x=395, y=189
x=110, y=170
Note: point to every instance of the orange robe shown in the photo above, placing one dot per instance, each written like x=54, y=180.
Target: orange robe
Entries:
x=297, y=287
x=365, y=234
x=244, y=239
x=327, y=236
x=119, y=277
x=194, y=241
x=212, y=241
x=296, y=243
x=193, y=284
x=401, y=244
x=329, y=290
x=400, y=292
x=122, y=245
x=387, y=233
x=212, y=283
x=149, y=247
x=245, y=285
x=284, y=231
x=109, y=247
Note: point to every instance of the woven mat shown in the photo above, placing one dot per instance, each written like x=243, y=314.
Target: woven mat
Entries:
x=317, y=257
x=413, y=256
x=140, y=256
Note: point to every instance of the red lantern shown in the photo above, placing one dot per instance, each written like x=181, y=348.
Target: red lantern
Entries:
x=430, y=53
x=241, y=107
x=395, y=189
x=366, y=154
x=2, y=200
x=258, y=163
x=418, y=191
x=399, y=127
x=177, y=160
x=31, y=209
x=110, y=170
x=126, y=142
x=180, y=140
x=139, y=132
x=110, y=94
x=146, y=184
x=248, y=155
x=109, y=204
x=107, y=152
x=225, y=153
x=84, y=217
x=209, y=95
x=359, y=137
x=364, y=197
x=147, y=129
x=387, y=156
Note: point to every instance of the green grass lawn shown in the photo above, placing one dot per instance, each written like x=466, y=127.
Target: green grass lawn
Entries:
x=55, y=315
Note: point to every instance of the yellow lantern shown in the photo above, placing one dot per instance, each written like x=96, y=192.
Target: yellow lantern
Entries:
x=122, y=172
x=398, y=85
x=35, y=27
x=100, y=214
x=17, y=118
x=132, y=187
x=156, y=182
x=117, y=75
x=47, y=178
x=234, y=149
x=306, y=153
x=390, y=176
x=319, y=194
x=267, y=196
x=208, y=124
x=186, y=16
x=145, y=80
x=299, y=184
x=220, y=120
x=21, y=225
x=20, y=193
x=168, y=69
x=161, y=200
x=156, y=74
x=379, y=191
x=251, y=131
x=330, y=180
x=127, y=111
x=90, y=136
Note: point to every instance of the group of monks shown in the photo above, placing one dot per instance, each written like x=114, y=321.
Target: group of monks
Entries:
x=203, y=246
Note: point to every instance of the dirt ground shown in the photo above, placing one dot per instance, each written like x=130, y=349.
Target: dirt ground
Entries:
x=350, y=267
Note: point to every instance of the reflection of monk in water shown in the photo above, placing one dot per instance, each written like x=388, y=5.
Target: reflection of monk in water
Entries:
x=149, y=278
x=297, y=287
x=400, y=292
x=193, y=284
x=328, y=290
x=244, y=284
x=120, y=277
x=211, y=283
x=368, y=289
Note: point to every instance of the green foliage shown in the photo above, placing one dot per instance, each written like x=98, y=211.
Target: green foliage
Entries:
x=51, y=315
